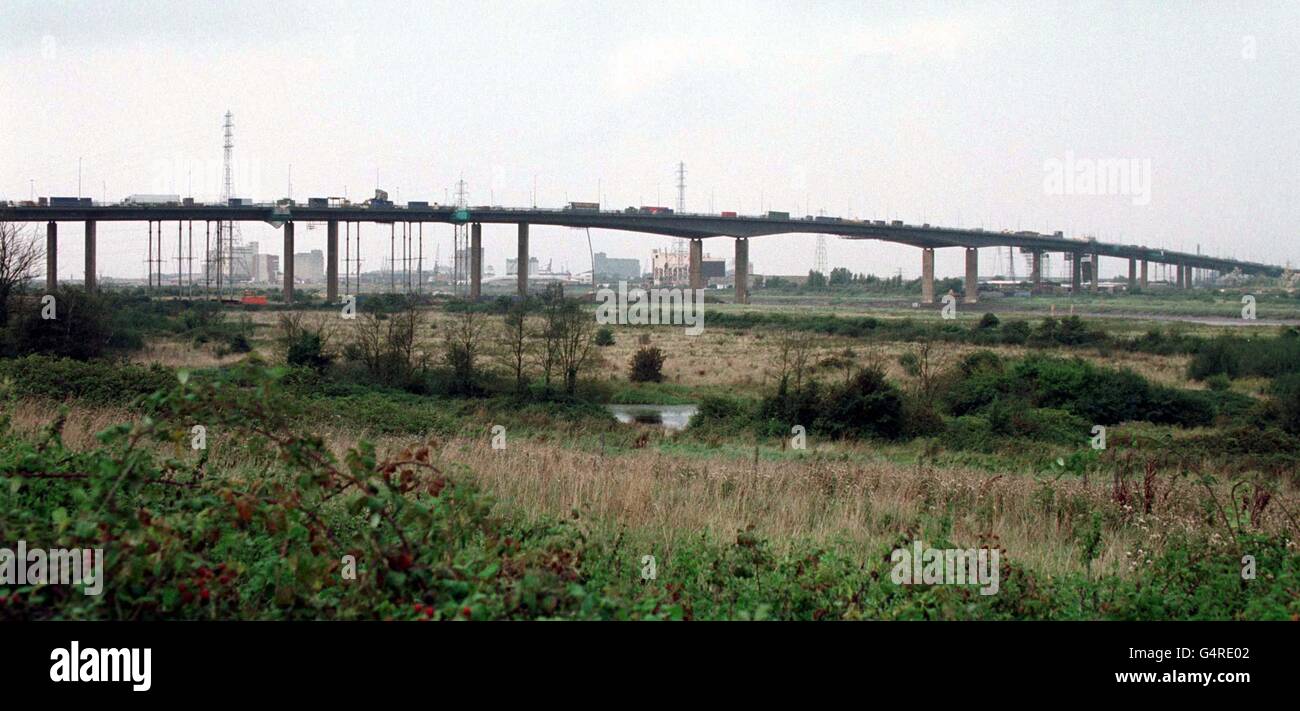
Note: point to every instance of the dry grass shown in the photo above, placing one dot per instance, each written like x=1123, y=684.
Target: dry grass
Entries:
x=852, y=499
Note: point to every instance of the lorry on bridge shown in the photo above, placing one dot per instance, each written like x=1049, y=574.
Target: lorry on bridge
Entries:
x=584, y=206
x=148, y=199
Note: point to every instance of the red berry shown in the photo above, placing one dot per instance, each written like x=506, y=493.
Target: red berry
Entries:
x=204, y=594
x=466, y=611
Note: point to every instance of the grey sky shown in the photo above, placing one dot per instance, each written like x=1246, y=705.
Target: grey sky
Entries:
x=926, y=112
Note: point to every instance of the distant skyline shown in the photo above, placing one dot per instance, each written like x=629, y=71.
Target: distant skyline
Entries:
x=925, y=112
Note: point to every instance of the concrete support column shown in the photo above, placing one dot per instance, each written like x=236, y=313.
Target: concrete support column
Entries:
x=92, y=285
x=1180, y=279
x=475, y=261
x=972, y=275
x=697, y=263
x=287, y=263
x=521, y=265
x=742, y=270
x=1132, y=274
x=52, y=256
x=1142, y=281
x=927, y=275
x=1096, y=273
x=1076, y=275
x=1036, y=273
x=332, y=261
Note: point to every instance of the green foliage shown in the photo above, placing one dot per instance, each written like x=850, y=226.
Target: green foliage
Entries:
x=605, y=336
x=647, y=365
x=94, y=382
x=276, y=536
x=1237, y=357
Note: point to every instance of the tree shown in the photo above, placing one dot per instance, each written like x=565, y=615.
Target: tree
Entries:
x=20, y=254
x=386, y=346
x=576, y=337
x=514, y=340
x=647, y=365
x=462, y=341
x=794, y=349
x=567, y=337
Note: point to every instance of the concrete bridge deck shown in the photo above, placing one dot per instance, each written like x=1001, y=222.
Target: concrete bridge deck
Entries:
x=695, y=227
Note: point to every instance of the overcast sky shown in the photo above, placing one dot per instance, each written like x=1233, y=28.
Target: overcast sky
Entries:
x=944, y=113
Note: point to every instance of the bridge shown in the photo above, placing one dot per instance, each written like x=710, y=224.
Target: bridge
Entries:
x=695, y=227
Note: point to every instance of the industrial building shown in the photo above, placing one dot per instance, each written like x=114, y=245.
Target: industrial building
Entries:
x=614, y=269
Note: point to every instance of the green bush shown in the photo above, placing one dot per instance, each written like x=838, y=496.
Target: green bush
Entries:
x=647, y=365
x=93, y=382
x=605, y=336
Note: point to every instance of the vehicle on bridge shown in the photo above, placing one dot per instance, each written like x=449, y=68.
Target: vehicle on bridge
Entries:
x=584, y=206
x=654, y=210
x=147, y=199
x=728, y=213
x=69, y=202
x=775, y=215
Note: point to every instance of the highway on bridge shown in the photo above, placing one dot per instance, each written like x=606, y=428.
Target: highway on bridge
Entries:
x=692, y=226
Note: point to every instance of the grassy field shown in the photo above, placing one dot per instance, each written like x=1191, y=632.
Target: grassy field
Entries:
x=991, y=451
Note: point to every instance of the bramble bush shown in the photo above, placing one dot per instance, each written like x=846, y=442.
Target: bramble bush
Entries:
x=267, y=537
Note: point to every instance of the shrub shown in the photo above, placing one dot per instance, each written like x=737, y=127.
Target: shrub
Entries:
x=867, y=405
x=81, y=327
x=647, y=365
x=989, y=320
x=1286, y=391
x=605, y=336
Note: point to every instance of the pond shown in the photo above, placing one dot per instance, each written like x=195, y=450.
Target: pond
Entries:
x=670, y=417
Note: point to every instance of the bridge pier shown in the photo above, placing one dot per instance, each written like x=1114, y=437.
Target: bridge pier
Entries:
x=287, y=266
x=696, y=271
x=475, y=261
x=1096, y=272
x=332, y=261
x=1180, y=277
x=1142, y=280
x=742, y=270
x=1036, y=272
x=1076, y=274
x=927, y=275
x=1132, y=273
x=972, y=275
x=521, y=265
x=51, y=256
x=91, y=284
